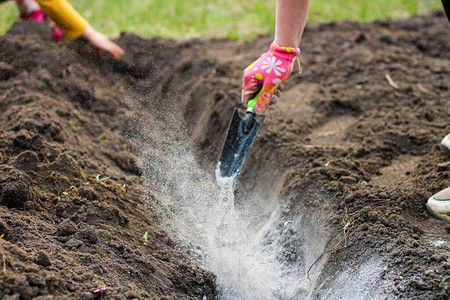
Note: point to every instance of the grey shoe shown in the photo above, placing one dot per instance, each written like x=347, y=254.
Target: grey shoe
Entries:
x=445, y=143
x=439, y=204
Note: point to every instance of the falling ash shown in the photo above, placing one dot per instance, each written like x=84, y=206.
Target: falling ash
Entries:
x=252, y=255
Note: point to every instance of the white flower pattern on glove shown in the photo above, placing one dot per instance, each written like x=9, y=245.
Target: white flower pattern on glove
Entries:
x=273, y=64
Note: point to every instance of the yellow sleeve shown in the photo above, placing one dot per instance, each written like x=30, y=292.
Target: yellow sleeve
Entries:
x=71, y=23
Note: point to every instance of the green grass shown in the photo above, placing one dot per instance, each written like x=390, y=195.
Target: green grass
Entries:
x=234, y=19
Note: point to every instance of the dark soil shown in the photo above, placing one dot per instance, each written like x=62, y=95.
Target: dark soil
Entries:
x=343, y=144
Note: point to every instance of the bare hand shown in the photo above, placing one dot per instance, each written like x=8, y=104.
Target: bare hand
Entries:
x=102, y=43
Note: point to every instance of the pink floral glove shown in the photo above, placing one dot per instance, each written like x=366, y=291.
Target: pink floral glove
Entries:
x=30, y=10
x=35, y=15
x=57, y=34
x=269, y=71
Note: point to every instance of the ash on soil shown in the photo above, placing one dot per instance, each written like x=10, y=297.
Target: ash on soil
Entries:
x=344, y=141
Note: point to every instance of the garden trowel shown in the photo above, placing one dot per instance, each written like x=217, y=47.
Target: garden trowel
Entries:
x=240, y=137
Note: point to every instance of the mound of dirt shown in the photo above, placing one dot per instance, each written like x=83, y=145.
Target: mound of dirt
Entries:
x=352, y=148
x=73, y=216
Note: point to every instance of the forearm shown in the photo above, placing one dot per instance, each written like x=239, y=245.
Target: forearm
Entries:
x=290, y=22
x=71, y=23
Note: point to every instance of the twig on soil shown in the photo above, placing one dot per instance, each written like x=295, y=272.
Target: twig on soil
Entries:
x=348, y=224
x=35, y=227
x=72, y=191
x=58, y=187
x=47, y=161
x=113, y=187
x=335, y=249
x=422, y=89
x=391, y=82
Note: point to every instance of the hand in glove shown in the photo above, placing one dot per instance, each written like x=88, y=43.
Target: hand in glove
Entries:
x=267, y=74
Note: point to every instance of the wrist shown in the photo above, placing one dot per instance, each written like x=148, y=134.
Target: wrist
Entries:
x=284, y=50
x=284, y=44
x=88, y=32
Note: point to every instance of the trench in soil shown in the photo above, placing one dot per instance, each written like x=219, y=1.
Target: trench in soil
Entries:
x=256, y=242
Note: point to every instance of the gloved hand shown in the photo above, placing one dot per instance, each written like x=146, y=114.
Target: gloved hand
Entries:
x=31, y=11
x=267, y=74
x=57, y=34
x=35, y=15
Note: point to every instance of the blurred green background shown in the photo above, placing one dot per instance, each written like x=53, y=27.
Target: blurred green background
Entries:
x=234, y=19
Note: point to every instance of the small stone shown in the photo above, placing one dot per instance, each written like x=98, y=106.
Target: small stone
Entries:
x=74, y=243
x=89, y=235
x=43, y=259
x=23, y=139
x=26, y=161
x=87, y=277
x=131, y=295
x=15, y=194
x=126, y=161
x=348, y=179
x=383, y=195
x=342, y=172
x=66, y=164
x=87, y=192
x=66, y=228
x=35, y=280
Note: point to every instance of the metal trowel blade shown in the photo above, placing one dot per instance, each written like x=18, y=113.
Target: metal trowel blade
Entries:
x=240, y=137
